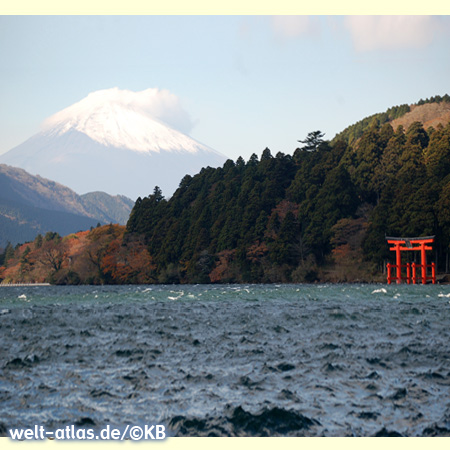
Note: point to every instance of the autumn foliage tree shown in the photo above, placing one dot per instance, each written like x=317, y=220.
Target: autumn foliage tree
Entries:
x=128, y=262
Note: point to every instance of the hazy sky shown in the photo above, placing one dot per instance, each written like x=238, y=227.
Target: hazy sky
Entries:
x=240, y=83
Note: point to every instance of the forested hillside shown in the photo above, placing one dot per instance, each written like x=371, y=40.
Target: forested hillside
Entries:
x=321, y=214
x=395, y=115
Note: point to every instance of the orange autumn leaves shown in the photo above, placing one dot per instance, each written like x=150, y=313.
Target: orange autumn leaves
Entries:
x=103, y=255
x=129, y=263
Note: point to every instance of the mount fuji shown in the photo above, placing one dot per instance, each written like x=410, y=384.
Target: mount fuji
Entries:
x=112, y=141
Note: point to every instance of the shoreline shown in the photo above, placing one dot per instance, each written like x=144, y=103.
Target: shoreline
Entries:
x=24, y=284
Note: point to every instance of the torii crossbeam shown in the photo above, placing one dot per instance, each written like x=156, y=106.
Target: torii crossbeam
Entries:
x=421, y=244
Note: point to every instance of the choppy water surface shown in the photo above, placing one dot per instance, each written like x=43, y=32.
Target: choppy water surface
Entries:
x=293, y=360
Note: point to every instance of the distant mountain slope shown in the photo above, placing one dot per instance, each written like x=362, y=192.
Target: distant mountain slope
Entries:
x=115, y=209
x=21, y=223
x=18, y=185
x=30, y=205
x=105, y=143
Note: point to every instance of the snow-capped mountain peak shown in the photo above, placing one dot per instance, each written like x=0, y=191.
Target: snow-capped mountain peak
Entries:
x=117, y=118
x=116, y=141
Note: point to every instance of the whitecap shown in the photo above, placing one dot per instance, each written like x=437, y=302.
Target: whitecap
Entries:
x=380, y=291
x=444, y=295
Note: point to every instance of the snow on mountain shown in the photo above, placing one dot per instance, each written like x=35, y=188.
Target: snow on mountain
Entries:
x=113, y=119
x=115, y=141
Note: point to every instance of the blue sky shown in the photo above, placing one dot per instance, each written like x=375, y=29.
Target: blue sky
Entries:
x=245, y=82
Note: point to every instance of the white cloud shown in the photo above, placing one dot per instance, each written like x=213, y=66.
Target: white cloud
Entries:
x=294, y=26
x=391, y=32
x=158, y=103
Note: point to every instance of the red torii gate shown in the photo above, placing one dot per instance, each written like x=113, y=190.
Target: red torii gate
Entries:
x=400, y=244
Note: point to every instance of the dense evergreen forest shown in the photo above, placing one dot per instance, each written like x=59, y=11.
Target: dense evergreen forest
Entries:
x=320, y=214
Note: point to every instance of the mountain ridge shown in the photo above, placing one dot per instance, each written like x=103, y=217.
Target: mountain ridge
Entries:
x=28, y=203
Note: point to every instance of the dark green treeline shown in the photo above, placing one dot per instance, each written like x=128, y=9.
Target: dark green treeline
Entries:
x=291, y=218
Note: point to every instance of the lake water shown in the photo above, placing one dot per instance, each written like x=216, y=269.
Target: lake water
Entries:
x=228, y=360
